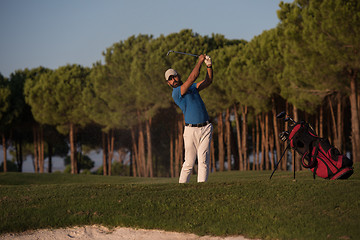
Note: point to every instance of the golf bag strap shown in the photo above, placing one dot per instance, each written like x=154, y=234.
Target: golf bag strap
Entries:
x=303, y=160
x=312, y=161
x=315, y=159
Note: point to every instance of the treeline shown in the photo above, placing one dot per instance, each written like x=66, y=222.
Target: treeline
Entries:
x=308, y=65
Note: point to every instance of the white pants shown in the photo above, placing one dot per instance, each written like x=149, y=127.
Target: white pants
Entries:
x=197, y=144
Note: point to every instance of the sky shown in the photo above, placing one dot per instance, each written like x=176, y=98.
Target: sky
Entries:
x=54, y=33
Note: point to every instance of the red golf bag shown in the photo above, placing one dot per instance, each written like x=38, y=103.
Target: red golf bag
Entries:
x=323, y=159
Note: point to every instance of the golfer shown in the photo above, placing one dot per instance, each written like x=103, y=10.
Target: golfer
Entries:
x=198, y=129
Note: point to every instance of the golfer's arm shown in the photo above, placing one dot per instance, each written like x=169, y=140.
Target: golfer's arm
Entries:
x=207, y=81
x=191, y=79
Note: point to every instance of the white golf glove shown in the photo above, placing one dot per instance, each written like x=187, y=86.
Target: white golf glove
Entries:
x=208, y=61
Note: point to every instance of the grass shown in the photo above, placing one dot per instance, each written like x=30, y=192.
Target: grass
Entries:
x=231, y=203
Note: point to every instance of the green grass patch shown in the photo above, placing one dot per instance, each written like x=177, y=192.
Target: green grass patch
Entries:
x=230, y=203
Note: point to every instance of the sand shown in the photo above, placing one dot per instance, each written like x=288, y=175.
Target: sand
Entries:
x=100, y=232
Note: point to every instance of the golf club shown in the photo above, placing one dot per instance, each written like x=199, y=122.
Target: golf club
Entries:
x=170, y=51
x=287, y=119
x=284, y=136
x=281, y=115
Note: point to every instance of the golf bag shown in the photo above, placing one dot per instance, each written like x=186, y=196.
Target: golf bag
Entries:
x=323, y=159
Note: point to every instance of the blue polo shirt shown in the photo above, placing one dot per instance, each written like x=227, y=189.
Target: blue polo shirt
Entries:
x=191, y=105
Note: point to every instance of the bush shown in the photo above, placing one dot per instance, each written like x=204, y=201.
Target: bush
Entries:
x=10, y=166
x=117, y=169
x=84, y=163
x=67, y=169
x=86, y=171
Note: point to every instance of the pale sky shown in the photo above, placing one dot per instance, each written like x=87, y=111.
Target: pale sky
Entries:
x=53, y=33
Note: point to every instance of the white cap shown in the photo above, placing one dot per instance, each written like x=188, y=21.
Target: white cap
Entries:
x=170, y=72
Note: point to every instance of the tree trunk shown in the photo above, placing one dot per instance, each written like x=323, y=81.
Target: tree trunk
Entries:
x=36, y=156
x=149, y=148
x=221, y=142
x=257, y=143
x=181, y=138
x=79, y=158
x=271, y=144
x=228, y=138
x=111, y=140
x=285, y=160
x=132, y=164
x=276, y=133
x=19, y=154
x=41, y=149
x=253, y=144
x=136, y=170
x=266, y=145
x=40, y=166
x=355, y=134
x=177, y=151
x=4, y=152
x=179, y=148
x=263, y=143
x=317, y=124
x=321, y=122
x=334, y=124
x=50, y=158
x=141, y=149
x=104, y=157
x=296, y=156
x=73, y=149
x=212, y=149
x=340, y=122
x=172, y=153
x=244, y=111
x=238, y=135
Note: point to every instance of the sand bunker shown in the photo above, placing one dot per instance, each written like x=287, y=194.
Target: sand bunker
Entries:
x=100, y=232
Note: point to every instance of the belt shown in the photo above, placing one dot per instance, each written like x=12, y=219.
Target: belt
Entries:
x=197, y=125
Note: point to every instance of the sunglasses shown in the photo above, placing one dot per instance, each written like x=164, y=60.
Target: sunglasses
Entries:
x=171, y=77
